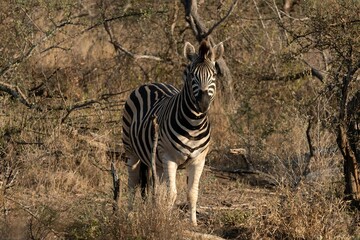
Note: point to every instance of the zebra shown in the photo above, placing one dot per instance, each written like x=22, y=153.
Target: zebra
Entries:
x=184, y=127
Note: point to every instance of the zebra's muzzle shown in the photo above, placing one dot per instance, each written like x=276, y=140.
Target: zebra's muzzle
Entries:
x=203, y=101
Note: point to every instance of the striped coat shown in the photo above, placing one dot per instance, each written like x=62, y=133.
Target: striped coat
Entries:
x=184, y=128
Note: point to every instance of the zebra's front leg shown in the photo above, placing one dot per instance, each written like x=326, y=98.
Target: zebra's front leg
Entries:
x=194, y=174
x=170, y=168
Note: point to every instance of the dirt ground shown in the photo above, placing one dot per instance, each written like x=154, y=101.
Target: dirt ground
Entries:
x=227, y=198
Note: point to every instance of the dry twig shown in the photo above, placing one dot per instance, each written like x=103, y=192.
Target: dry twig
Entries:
x=16, y=93
x=116, y=185
x=153, y=154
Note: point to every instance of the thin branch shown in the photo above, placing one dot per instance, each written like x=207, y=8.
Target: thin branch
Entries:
x=25, y=208
x=33, y=89
x=88, y=102
x=106, y=20
x=308, y=158
x=16, y=93
x=134, y=55
x=221, y=20
x=18, y=60
x=79, y=106
x=267, y=34
x=28, y=53
x=317, y=74
x=172, y=45
x=118, y=46
x=293, y=77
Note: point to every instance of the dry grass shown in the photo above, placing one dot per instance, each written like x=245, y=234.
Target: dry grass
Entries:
x=304, y=213
x=148, y=220
x=310, y=211
x=63, y=187
x=55, y=180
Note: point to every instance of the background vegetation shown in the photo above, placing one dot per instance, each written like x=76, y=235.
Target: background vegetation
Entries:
x=275, y=170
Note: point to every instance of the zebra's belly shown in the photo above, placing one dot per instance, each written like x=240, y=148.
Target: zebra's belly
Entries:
x=168, y=151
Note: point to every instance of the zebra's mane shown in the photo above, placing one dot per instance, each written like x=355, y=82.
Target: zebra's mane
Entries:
x=205, y=51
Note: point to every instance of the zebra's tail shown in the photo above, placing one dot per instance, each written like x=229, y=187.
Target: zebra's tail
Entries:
x=144, y=179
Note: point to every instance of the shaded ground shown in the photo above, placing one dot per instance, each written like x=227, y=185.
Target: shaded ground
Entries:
x=227, y=200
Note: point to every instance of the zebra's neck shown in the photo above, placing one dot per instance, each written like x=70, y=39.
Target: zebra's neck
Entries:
x=187, y=108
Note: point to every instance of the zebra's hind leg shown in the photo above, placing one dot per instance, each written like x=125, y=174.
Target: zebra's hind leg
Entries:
x=194, y=174
x=133, y=165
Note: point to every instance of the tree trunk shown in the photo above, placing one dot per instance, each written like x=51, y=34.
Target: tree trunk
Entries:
x=201, y=32
x=345, y=143
x=354, y=125
x=351, y=171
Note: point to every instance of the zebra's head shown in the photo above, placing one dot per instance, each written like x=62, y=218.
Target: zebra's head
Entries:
x=200, y=73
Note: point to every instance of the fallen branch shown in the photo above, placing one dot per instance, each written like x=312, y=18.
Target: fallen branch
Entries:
x=270, y=179
x=224, y=208
x=134, y=55
x=237, y=171
x=242, y=153
x=16, y=93
x=196, y=235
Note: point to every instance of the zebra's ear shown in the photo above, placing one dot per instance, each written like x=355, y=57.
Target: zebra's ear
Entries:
x=218, y=69
x=218, y=51
x=189, y=51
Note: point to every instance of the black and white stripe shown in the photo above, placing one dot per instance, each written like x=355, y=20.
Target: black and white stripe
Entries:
x=184, y=128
